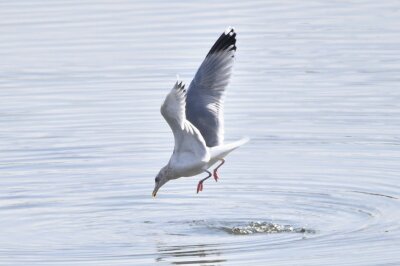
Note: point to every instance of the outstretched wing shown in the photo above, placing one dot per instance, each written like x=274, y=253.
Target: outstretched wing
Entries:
x=206, y=92
x=173, y=108
x=188, y=140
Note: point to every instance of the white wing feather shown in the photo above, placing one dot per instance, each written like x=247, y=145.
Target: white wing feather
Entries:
x=189, y=143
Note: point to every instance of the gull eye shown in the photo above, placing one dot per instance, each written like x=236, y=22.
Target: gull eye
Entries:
x=157, y=179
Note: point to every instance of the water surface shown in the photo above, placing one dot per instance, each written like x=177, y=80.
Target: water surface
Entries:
x=315, y=86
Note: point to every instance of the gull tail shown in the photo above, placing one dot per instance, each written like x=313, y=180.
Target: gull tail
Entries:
x=219, y=152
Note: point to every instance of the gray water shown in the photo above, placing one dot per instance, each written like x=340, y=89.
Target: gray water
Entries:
x=315, y=87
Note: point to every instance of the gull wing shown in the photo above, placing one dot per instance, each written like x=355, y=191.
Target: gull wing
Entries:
x=206, y=92
x=189, y=143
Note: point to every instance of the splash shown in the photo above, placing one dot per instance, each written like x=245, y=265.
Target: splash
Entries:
x=265, y=228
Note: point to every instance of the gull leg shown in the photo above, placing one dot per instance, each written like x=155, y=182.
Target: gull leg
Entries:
x=200, y=185
x=215, y=170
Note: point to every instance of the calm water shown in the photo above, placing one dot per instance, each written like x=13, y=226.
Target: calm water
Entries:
x=315, y=86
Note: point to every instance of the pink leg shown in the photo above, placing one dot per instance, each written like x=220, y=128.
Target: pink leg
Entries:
x=200, y=185
x=215, y=170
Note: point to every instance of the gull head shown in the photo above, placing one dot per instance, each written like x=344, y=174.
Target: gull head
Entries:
x=161, y=178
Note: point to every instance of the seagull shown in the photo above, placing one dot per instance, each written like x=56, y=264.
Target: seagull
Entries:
x=195, y=117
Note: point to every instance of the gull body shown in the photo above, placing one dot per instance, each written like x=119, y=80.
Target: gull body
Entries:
x=195, y=117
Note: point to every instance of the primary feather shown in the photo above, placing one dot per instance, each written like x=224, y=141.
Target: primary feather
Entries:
x=205, y=97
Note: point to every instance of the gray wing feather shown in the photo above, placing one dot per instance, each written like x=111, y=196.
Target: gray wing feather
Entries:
x=204, y=103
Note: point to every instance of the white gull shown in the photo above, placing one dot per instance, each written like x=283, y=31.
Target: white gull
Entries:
x=196, y=117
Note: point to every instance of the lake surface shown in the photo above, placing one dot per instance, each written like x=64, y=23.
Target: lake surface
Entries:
x=315, y=87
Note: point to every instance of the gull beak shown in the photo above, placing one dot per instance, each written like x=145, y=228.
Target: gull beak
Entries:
x=158, y=186
x=154, y=194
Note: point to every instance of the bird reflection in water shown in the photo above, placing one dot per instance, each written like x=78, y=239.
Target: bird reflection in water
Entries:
x=202, y=254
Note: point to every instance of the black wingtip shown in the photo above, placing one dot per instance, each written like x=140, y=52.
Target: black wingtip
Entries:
x=180, y=86
x=226, y=41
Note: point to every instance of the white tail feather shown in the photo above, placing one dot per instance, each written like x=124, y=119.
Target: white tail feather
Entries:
x=219, y=152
